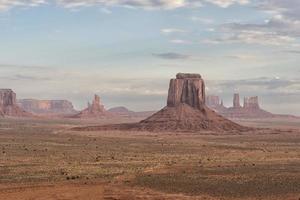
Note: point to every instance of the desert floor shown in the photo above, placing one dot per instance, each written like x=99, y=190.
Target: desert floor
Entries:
x=44, y=159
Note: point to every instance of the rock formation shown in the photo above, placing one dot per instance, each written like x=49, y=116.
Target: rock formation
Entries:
x=8, y=104
x=122, y=111
x=236, y=100
x=250, y=109
x=185, y=111
x=47, y=106
x=187, y=89
x=94, y=110
x=213, y=102
x=251, y=103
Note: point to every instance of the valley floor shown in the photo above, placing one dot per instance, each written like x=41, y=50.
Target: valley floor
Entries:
x=44, y=159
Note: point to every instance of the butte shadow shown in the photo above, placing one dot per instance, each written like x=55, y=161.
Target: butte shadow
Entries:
x=185, y=112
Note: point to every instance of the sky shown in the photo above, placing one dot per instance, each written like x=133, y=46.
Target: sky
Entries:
x=127, y=50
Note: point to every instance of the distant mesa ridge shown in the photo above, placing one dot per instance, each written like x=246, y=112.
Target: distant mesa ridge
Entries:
x=47, y=106
x=185, y=111
x=122, y=111
x=250, y=108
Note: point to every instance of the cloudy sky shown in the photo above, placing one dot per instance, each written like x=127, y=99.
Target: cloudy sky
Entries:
x=127, y=50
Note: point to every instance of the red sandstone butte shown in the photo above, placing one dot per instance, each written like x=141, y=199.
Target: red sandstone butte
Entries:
x=185, y=111
x=250, y=109
x=94, y=110
x=8, y=105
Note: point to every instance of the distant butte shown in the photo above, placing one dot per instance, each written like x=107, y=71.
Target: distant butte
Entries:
x=250, y=108
x=94, y=110
x=44, y=107
x=185, y=111
x=8, y=105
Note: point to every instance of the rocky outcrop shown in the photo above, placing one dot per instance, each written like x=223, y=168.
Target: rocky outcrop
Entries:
x=94, y=110
x=236, y=100
x=8, y=104
x=251, y=103
x=122, y=111
x=47, y=106
x=214, y=103
x=185, y=111
x=250, y=109
x=188, y=89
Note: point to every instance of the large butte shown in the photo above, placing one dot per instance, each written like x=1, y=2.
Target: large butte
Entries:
x=185, y=111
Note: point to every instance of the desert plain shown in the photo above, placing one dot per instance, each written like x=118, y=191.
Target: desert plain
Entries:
x=46, y=159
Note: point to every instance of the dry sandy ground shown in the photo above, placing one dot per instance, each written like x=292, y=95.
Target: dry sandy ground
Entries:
x=88, y=191
x=43, y=160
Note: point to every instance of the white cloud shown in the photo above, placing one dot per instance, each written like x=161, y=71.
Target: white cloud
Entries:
x=6, y=4
x=227, y=3
x=248, y=57
x=280, y=29
x=151, y=4
x=179, y=41
x=168, y=31
x=148, y=4
x=252, y=37
x=287, y=8
x=145, y=4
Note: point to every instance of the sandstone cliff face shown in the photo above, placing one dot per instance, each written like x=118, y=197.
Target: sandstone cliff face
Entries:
x=188, y=89
x=8, y=104
x=251, y=103
x=47, y=106
x=94, y=110
x=236, y=101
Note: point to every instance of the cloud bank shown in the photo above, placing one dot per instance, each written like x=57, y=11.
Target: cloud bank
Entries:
x=145, y=4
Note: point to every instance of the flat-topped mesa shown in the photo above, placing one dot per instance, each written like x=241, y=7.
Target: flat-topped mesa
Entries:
x=187, y=76
x=251, y=103
x=7, y=97
x=187, y=89
x=47, y=106
x=213, y=101
x=185, y=111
